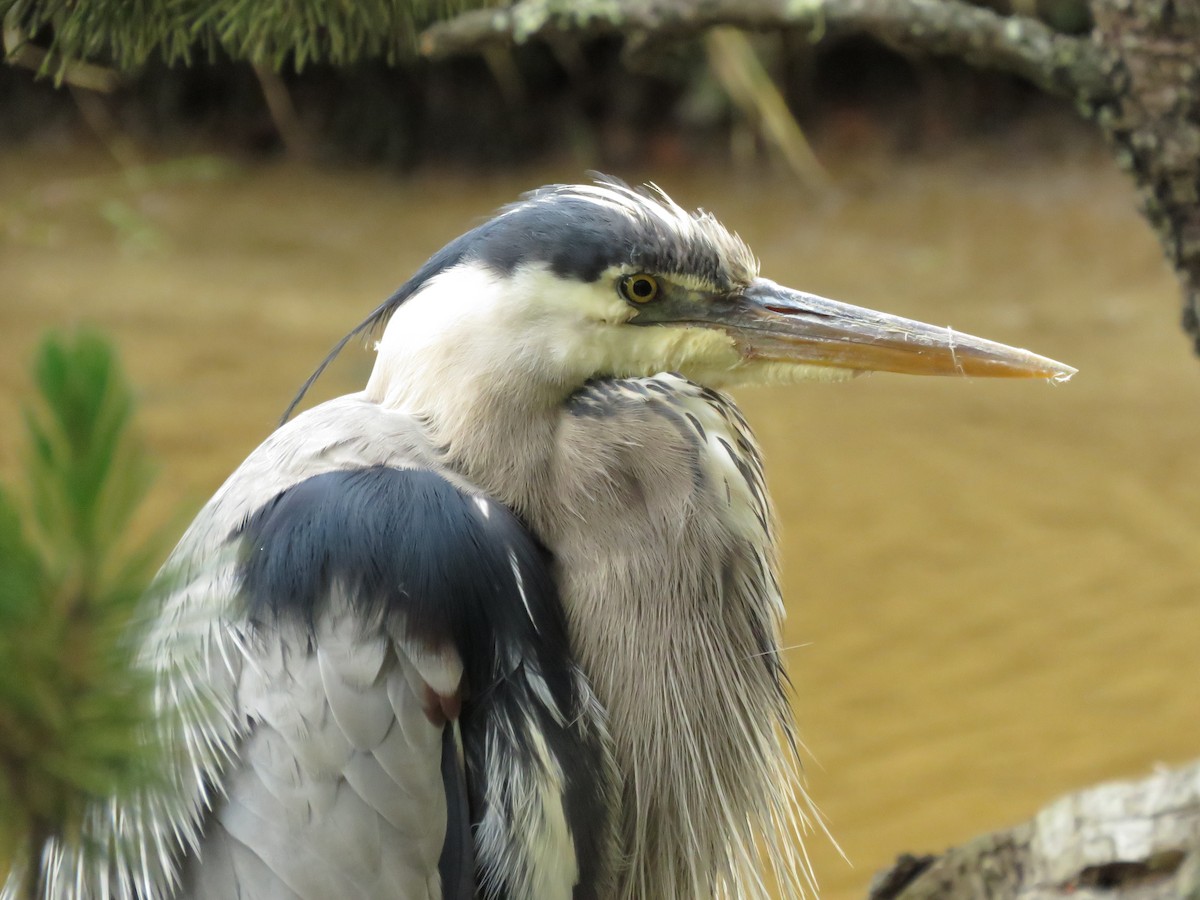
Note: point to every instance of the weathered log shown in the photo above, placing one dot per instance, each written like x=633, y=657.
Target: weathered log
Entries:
x=1133, y=840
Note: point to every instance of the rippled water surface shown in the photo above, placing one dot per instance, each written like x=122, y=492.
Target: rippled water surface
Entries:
x=993, y=587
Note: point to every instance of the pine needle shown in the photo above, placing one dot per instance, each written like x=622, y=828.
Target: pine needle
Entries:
x=125, y=34
x=74, y=712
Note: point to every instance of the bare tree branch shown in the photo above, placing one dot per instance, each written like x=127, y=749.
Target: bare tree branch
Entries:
x=1060, y=64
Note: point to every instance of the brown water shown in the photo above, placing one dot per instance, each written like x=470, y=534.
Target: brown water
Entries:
x=993, y=586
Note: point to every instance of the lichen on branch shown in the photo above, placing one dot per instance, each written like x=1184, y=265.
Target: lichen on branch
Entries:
x=1058, y=63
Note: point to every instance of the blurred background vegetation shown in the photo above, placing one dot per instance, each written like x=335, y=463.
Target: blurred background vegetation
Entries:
x=73, y=708
x=263, y=79
x=991, y=588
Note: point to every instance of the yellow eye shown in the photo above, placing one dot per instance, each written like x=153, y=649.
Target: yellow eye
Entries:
x=638, y=288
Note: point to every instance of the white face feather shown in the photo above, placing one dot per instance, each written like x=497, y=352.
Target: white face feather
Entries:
x=470, y=324
x=486, y=317
x=537, y=332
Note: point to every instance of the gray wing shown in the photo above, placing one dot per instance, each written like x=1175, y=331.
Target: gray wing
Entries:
x=319, y=619
x=337, y=788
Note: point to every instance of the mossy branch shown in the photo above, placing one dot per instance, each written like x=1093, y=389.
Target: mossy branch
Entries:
x=1058, y=63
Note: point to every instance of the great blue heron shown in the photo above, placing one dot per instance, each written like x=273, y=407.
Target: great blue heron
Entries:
x=506, y=622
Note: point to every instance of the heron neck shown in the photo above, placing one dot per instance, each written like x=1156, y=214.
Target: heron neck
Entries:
x=495, y=429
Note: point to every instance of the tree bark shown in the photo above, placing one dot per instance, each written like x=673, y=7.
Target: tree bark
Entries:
x=1119, y=841
x=1152, y=123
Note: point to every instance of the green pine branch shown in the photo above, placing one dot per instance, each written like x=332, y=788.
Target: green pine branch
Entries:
x=126, y=33
x=74, y=711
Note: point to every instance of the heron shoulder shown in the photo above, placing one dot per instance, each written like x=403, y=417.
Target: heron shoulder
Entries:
x=335, y=581
x=455, y=586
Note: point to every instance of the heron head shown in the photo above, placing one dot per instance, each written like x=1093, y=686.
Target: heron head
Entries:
x=574, y=282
